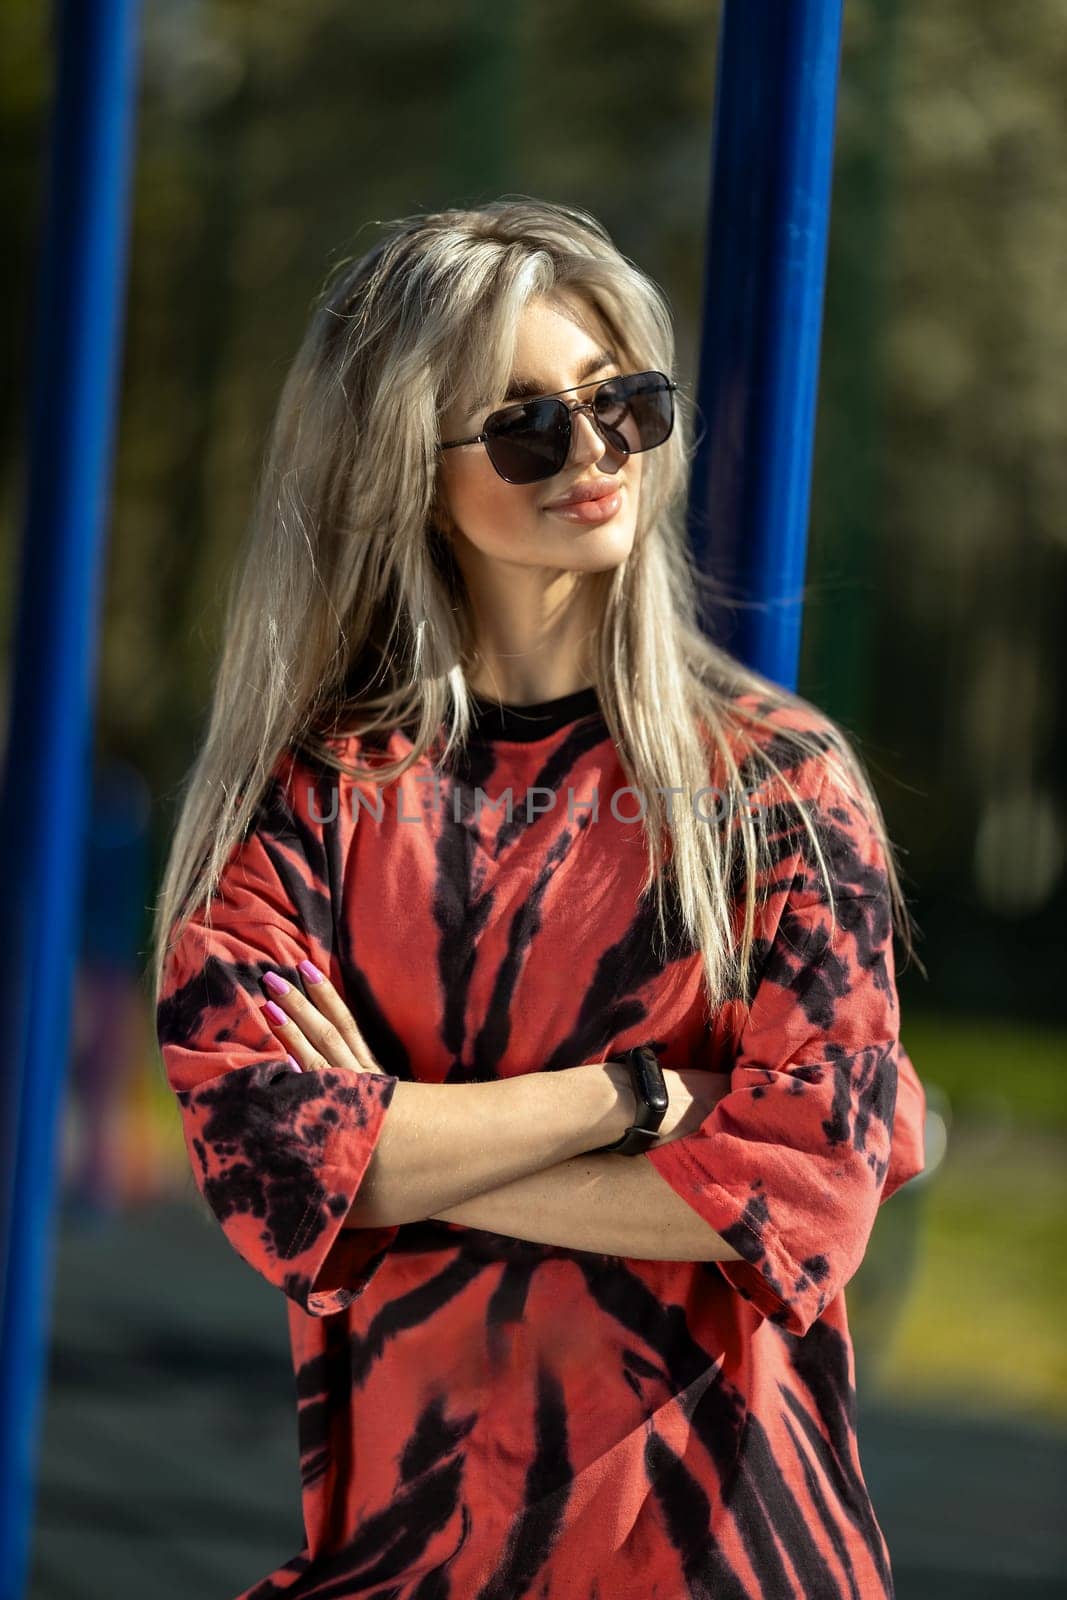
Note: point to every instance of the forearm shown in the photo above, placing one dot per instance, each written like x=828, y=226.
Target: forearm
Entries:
x=444, y=1144
x=615, y=1205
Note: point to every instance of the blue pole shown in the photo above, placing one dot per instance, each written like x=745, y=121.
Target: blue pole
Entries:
x=764, y=275
x=47, y=762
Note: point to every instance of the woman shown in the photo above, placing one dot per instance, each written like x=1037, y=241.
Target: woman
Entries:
x=396, y=1011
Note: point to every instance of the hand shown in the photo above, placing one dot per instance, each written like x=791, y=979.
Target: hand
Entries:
x=317, y=1035
x=693, y=1095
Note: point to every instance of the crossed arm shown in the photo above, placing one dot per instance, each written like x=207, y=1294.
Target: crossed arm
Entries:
x=616, y=1205
x=427, y=1165
x=519, y=1156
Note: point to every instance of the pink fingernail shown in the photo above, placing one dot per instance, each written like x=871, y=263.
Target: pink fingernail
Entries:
x=275, y=984
x=294, y=1063
x=311, y=972
x=275, y=1013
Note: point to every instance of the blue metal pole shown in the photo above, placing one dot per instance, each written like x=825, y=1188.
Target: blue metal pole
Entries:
x=76, y=364
x=764, y=275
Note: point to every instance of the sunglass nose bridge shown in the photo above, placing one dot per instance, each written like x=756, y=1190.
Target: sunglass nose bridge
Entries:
x=599, y=427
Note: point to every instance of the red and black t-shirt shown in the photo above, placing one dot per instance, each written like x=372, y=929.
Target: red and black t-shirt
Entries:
x=480, y=1415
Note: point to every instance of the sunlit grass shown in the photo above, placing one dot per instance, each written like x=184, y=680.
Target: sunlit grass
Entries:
x=992, y=1066
x=980, y=1327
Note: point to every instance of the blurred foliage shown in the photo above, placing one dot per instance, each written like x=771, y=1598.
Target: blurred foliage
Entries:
x=270, y=140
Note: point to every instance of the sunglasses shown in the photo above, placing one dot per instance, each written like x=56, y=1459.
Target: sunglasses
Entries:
x=532, y=440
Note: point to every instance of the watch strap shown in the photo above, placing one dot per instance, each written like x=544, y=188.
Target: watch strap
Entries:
x=644, y=1131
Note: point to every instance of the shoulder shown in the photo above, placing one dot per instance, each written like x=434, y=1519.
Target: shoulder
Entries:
x=790, y=738
x=322, y=765
x=314, y=783
x=803, y=775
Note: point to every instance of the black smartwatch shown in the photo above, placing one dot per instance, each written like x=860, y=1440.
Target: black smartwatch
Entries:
x=650, y=1092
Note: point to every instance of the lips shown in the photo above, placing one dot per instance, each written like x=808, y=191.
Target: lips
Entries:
x=580, y=496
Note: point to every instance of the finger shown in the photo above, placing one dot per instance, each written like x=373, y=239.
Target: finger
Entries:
x=305, y=1033
x=300, y=1053
x=332, y=1005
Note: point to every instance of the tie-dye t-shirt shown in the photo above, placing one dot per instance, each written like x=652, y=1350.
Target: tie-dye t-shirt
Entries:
x=481, y=1416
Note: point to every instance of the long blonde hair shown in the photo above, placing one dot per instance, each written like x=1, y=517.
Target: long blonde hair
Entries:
x=346, y=610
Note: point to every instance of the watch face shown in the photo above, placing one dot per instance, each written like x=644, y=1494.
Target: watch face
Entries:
x=651, y=1079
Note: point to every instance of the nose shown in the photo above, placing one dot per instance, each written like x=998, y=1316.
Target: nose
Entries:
x=587, y=442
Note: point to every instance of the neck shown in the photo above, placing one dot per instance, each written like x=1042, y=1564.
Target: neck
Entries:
x=526, y=654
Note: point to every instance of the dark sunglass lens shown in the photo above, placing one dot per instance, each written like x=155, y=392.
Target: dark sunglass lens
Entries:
x=637, y=410
x=528, y=442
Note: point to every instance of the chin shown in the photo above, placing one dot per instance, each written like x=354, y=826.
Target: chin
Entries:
x=599, y=549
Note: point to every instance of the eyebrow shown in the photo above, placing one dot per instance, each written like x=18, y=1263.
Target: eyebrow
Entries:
x=529, y=388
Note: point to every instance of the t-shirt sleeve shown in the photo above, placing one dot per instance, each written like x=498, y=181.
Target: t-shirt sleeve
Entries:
x=824, y=1115
x=278, y=1155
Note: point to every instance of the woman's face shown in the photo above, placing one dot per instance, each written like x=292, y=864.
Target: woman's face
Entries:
x=560, y=342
